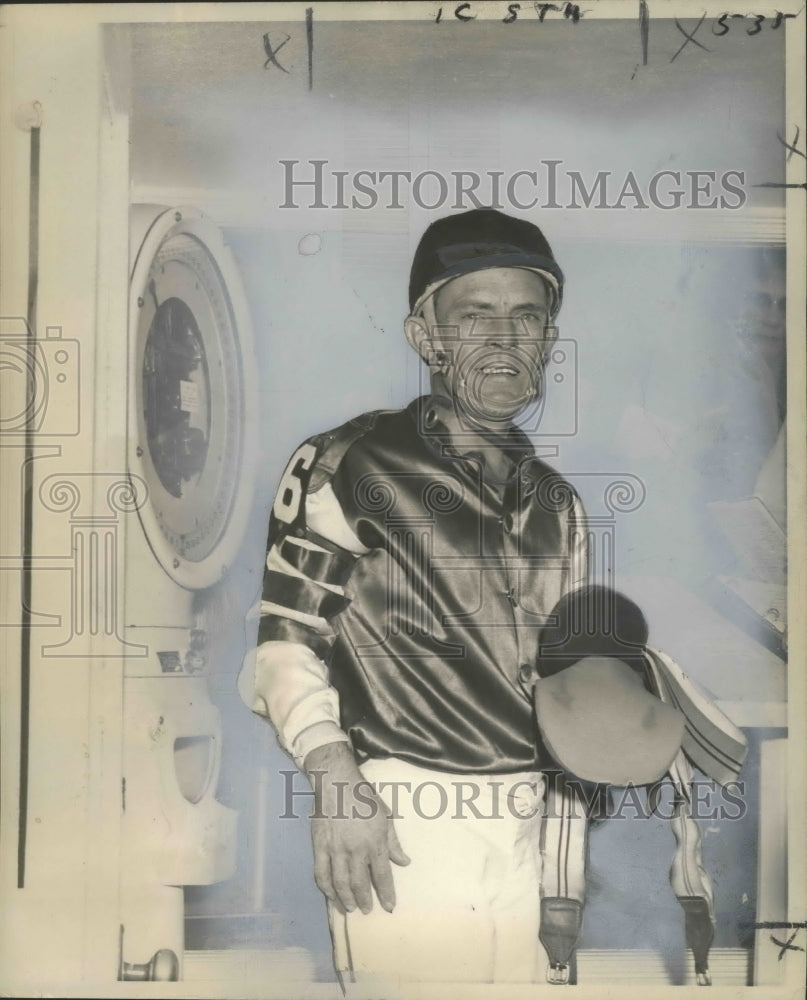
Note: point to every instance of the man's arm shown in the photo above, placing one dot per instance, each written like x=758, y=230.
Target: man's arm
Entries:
x=310, y=555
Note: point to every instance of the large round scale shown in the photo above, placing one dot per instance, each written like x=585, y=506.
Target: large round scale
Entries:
x=192, y=415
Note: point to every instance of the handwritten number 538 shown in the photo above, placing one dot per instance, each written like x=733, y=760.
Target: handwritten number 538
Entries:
x=721, y=26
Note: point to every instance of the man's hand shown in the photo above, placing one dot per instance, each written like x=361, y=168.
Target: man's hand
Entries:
x=354, y=839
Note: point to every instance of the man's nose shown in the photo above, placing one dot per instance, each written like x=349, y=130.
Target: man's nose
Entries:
x=501, y=331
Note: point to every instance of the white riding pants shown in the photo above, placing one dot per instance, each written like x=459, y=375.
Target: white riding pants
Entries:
x=468, y=905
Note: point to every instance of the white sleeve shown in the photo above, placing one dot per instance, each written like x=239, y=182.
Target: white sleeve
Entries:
x=290, y=688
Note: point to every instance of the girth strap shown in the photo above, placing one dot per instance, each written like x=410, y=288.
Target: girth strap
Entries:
x=564, y=855
x=688, y=876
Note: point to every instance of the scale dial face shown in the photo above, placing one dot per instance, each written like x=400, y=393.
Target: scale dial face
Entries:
x=192, y=395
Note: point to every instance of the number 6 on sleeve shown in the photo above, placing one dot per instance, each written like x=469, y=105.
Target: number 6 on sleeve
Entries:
x=290, y=491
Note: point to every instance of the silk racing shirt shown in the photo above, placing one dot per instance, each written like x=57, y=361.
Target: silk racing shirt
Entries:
x=405, y=588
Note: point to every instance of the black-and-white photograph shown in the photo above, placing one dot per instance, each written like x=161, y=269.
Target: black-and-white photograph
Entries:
x=403, y=454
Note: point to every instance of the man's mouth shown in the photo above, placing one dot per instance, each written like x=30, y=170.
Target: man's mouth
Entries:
x=499, y=369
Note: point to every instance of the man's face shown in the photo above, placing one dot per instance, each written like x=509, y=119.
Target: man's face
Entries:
x=492, y=326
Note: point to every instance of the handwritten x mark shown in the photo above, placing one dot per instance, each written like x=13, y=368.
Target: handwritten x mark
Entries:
x=689, y=38
x=786, y=945
x=272, y=53
x=792, y=149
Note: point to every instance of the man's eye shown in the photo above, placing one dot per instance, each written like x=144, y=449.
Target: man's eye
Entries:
x=470, y=315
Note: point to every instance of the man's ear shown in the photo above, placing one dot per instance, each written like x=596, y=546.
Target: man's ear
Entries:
x=417, y=334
